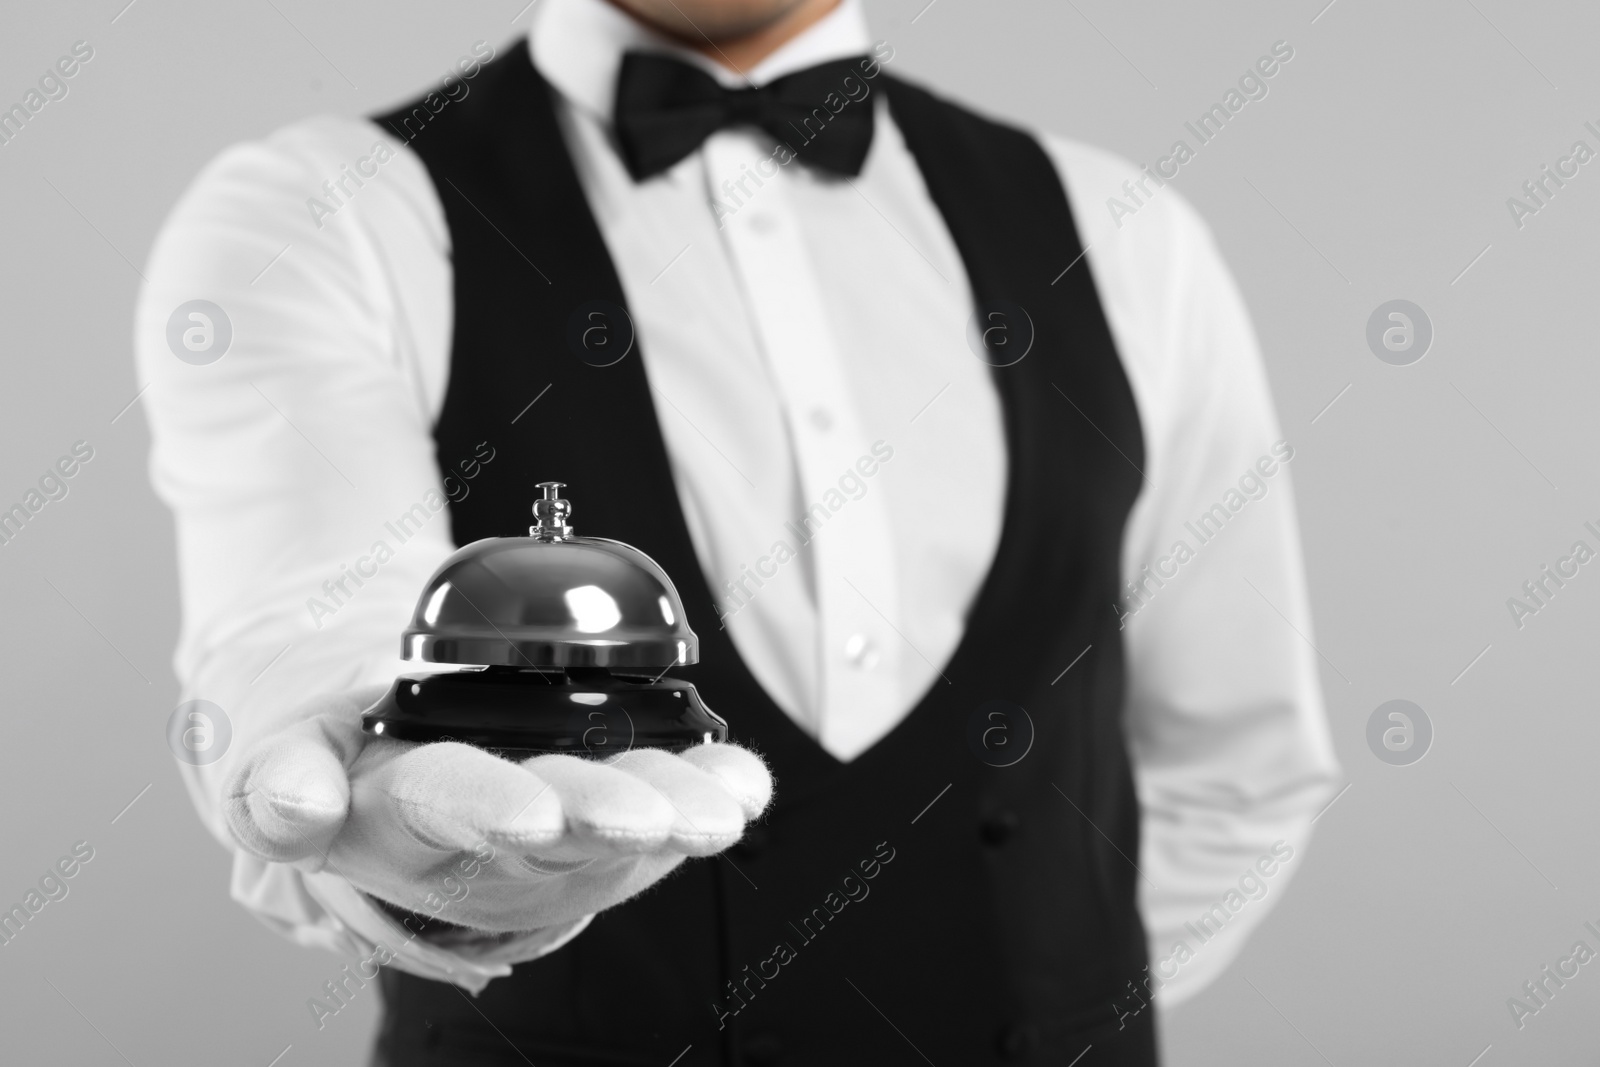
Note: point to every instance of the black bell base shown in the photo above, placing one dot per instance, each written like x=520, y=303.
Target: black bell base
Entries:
x=519, y=713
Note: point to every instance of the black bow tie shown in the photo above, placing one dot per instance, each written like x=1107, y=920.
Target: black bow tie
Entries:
x=666, y=108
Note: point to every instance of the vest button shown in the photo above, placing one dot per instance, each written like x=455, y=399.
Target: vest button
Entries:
x=861, y=652
x=996, y=829
x=1018, y=1041
x=762, y=1049
x=752, y=844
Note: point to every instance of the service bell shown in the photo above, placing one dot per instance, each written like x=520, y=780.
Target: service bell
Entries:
x=564, y=643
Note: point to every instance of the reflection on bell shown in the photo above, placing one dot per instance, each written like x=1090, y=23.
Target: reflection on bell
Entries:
x=565, y=642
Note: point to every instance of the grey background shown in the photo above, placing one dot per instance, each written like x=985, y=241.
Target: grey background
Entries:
x=1380, y=166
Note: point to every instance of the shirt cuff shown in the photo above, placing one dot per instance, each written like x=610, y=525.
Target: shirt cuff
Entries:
x=323, y=910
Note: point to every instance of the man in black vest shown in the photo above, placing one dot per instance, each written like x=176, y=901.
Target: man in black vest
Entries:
x=971, y=488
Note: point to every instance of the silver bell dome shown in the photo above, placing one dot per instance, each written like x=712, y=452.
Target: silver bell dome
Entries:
x=551, y=600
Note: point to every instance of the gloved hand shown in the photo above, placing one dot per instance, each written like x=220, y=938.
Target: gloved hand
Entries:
x=508, y=847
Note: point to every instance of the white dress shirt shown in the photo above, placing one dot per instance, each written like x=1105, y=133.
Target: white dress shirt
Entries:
x=787, y=327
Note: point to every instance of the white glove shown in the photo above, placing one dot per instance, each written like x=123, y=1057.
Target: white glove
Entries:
x=451, y=831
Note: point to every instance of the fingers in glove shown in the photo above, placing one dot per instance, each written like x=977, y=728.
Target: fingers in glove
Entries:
x=453, y=797
x=608, y=811
x=288, y=799
x=741, y=772
x=709, y=817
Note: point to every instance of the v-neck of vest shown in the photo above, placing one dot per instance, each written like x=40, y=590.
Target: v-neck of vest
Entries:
x=518, y=166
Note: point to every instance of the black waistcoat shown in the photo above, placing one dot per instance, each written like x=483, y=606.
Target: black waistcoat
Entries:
x=998, y=923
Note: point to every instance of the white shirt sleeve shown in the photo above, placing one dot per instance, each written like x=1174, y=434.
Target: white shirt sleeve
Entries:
x=290, y=458
x=1225, y=722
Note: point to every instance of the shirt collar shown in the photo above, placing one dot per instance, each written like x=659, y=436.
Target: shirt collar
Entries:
x=578, y=46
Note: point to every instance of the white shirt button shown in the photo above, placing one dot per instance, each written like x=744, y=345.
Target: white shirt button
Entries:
x=763, y=223
x=861, y=652
x=822, y=419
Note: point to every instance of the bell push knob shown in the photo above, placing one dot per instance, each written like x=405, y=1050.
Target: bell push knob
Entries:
x=550, y=514
x=562, y=644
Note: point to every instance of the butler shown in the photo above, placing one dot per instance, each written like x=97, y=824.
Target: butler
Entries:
x=719, y=264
